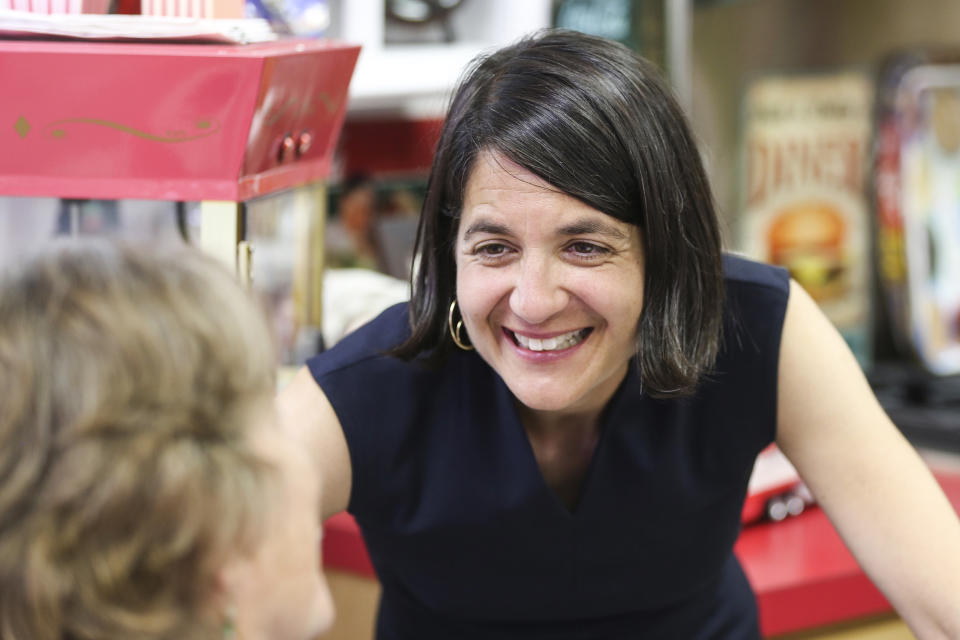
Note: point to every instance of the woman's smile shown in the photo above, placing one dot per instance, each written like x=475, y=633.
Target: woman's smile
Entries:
x=550, y=289
x=562, y=342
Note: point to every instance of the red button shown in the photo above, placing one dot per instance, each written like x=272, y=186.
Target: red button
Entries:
x=287, y=148
x=304, y=142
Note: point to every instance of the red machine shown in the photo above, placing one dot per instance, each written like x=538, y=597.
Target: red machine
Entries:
x=169, y=121
x=214, y=123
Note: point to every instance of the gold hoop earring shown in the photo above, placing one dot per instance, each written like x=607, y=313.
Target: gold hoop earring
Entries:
x=455, y=331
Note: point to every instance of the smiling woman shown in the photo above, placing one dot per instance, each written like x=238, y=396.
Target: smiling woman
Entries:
x=554, y=438
x=626, y=152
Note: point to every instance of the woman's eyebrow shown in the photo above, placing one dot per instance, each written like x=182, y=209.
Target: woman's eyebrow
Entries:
x=580, y=227
x=485, y=226
x=590, y=226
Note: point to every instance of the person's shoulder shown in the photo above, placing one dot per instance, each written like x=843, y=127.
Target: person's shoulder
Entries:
x=740, y=272
x=756, y=303
x=368, y=345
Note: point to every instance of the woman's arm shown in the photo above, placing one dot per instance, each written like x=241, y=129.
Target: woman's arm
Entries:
x=876, y=490
x=306, y=412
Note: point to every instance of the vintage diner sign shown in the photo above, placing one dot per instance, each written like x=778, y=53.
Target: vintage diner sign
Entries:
x=805, y=144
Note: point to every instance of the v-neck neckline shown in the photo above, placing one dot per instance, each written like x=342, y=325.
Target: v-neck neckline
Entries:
x=532, y=467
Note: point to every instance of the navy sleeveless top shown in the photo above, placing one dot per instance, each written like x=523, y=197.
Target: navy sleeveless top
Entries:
x=468, y=540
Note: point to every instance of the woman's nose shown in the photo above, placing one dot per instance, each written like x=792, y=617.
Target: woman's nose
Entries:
x=537, y=294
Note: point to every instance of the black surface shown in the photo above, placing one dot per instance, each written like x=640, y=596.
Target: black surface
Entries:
x=924, y=407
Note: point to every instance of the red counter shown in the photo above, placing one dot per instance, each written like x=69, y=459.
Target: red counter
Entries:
x=805, y=577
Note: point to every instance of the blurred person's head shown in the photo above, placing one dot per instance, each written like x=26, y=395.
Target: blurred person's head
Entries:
x=357, y=208
x=146, y=487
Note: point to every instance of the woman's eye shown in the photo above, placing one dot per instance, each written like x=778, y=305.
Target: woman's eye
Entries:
x=587, y=249
x=492, y=250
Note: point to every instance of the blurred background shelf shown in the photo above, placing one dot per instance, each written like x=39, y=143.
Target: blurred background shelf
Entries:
x=415, y=79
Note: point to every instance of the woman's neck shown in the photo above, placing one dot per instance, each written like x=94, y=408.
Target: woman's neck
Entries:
x=563, y=445
x=556, y=423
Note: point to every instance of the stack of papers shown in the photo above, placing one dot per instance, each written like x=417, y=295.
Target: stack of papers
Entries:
x=23, y=24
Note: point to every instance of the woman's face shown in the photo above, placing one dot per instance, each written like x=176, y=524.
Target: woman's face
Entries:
x=278, y=591
x=550, y=289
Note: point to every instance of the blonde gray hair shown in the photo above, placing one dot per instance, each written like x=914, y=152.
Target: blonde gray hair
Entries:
x=129, y=379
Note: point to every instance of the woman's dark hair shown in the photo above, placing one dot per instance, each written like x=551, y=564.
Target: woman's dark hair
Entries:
x=596, y=121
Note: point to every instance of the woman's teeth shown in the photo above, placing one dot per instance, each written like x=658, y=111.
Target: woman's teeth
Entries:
x=555, y=343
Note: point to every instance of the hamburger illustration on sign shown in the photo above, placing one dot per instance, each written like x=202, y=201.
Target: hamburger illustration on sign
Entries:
x=808, y=238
